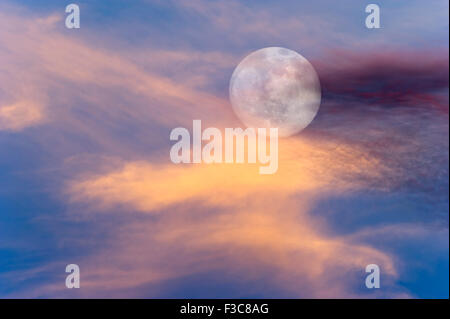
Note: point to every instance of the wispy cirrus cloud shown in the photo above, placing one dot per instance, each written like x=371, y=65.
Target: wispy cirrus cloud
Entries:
x=57, y=62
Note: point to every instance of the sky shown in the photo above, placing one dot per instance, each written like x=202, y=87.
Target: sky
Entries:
x=86, y=177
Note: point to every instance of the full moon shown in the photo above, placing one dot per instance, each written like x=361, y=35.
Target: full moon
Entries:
x=275, y=87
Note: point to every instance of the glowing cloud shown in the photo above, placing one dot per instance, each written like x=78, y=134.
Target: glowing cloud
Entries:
x=252, y=223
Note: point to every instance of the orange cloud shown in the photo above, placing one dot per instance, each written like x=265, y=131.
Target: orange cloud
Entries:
x=19, y=115
x=305, y=166
x=253, y=223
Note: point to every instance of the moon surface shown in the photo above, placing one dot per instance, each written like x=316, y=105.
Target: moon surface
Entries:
x=275, y=87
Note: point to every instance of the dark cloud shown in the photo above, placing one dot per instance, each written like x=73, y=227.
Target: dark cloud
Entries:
x=390, y=79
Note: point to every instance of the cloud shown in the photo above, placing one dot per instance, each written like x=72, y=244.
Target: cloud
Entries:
x=389, y=79
x=242, y=23
x=44, y=61
x=228, y=218
x=245, y=244
x=316, y=164
x=19, y=115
